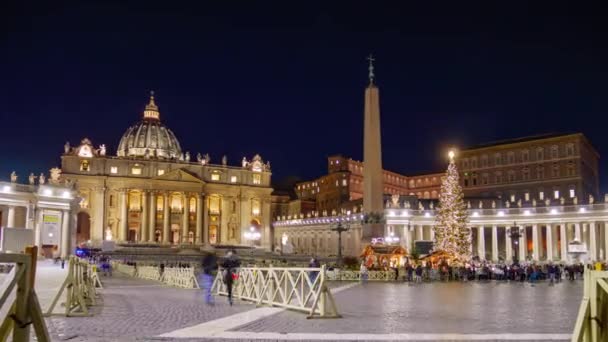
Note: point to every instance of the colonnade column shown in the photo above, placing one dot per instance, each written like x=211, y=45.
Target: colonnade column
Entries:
x=10, y=223
x=419, y=233
x=152, y=225
x=508, y=246
x=606, y=240
x=555, y=246
x=65, y=233
x=143, y=228
x=522, y=244
x=166, y=217
x=28, y=213
x=199, y=218
x=481, y=243
x=562, y=241
x=124, y=227
x=577, y=232
x=549, y=231
x=592, y=242
x=535, y=243
x=38, y=230
x=432, y=233
x=494, y=243
x=185, y=222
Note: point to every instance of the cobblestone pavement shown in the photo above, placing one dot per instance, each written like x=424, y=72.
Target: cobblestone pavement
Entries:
x=135, y=309
x=139, y=310
x=469, y=308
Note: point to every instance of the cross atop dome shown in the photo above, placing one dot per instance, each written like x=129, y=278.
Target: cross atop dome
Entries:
x=151, y=112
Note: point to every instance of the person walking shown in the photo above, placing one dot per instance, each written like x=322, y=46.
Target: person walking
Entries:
x=419, y=273
x=209, y=266
x=363, y=273
x=230, y=264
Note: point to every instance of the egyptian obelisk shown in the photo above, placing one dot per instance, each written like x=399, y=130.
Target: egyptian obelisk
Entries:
x=372, y=150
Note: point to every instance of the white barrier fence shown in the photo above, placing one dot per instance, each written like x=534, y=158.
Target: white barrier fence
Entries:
x=348, y=275
x=180, y=277
x=300, y=289
x=148, y=272
x=183, y=277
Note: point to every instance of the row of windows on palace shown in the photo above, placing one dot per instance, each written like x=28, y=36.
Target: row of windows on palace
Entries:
x=510, y=157
x=176, y=203
x=512, y=175
x=137, y=171
x=387, y=178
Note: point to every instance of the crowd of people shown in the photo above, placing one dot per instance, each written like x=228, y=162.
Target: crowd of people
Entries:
x=480, y=271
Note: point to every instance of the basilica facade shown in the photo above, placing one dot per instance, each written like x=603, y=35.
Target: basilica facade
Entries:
x=151, y=191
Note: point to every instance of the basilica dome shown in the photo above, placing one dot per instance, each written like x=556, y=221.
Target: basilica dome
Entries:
x=149, y=138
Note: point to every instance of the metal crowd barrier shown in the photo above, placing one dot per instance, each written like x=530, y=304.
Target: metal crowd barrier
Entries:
x=348, y=275
x=180, y=277
x=183, y=277
x=79, y=284
x=593, y=312
x=300, y=289
x=25, y=309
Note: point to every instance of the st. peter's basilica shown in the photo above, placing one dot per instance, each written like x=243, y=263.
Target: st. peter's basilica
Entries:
x=152, y=191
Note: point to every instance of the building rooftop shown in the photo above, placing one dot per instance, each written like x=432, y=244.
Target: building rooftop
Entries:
x=519, y=140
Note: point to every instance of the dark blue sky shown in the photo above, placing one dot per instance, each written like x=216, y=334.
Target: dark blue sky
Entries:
x=286, y=79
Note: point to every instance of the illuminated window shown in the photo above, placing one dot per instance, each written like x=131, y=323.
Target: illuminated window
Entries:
x=512, y=198
x=541, y=195
x=134, y=201
x=114, y=169
x=554, y=152
x=214, y=204
x=233, y=179
x=176, y=202
x=344, y=183
x=527, y=196
x=257, y=179
x=556, y=194
x=255, y=207
x=215, y=176
x=160, y=205
x=136, y=170
x=160, y=172
x=84, y=165
x=572, y=193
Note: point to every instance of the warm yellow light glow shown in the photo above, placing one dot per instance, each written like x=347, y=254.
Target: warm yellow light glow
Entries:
x=451, y=154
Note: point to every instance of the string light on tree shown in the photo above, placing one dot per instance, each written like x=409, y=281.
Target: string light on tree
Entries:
x=452, y=235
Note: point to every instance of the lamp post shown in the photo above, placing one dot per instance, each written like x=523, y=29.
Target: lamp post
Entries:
x=515, y=233
x=339, y=228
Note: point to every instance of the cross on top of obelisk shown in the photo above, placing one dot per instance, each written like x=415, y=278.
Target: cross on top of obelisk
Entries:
x=371, y=60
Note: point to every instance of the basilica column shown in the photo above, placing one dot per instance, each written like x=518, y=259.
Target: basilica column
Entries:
x=124, y=227
x=481, y=243
x=10, y=223
x=166, y=217
x=554, y=234
x=199, y=218
x=266, y=236
x=549, y=231
x=143, y=228
x=432, y=230
x=185, y=222
x=65, y=233
x=419, y=232
x=98, y=215
x=563, y=242
x=152, y=226
x=205, y=220
x=494, y=243
x=535, y=243
x=28, y=214
x=592, y=242
x=605, y=241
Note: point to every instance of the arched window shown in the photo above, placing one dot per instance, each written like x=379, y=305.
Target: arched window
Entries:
x=554, y=152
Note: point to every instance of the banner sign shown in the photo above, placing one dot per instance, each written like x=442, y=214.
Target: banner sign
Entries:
x=51, y=229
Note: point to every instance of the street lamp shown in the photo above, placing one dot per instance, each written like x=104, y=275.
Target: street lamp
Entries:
x=252, y=235
x=515, y=233
x=339, y=228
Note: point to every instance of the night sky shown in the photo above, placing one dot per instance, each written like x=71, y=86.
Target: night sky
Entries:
x=287, y=80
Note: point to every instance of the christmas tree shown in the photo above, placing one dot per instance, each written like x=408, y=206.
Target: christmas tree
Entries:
x=452, y=235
